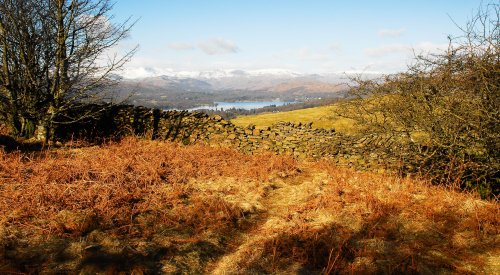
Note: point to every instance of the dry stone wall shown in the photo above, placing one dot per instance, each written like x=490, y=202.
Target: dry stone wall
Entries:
x=298, y=140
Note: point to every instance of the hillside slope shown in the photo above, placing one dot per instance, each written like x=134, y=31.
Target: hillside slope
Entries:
x=321, y=117
x=151, y=207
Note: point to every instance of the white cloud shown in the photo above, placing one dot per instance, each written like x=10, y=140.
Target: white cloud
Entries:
x=335, y=47
x=421, y=48
x=429, y=47
x=387, y=50
x=95, y=24
x=180, y=46
x=218, y=46
x=391, y=33
x=141, y=72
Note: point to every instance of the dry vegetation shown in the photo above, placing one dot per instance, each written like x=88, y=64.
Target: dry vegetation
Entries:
x=152, y=207
x=441, y=116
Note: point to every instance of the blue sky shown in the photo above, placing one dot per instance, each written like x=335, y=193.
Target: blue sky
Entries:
x=308, y=36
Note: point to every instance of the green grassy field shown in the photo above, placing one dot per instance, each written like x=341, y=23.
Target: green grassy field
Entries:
x=321, y=117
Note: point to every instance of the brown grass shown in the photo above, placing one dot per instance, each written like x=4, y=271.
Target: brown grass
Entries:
x=131, y=189
x=4, y=130
x=140, y=206
x=366, y=223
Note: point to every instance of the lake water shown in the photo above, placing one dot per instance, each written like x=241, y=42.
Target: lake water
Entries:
x=242, y=105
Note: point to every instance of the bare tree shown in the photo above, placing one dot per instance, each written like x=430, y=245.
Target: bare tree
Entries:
x=22, y=63
x=441, y=116
x=56, y=57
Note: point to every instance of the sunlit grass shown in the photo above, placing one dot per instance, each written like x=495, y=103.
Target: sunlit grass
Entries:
x=321, y=117
x=139, y=206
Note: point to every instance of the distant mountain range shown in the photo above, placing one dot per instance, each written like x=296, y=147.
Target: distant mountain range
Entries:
x=143, y=72
x=170, y=89
x=272, y=79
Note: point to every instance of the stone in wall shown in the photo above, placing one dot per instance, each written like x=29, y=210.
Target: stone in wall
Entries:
x=298, y=140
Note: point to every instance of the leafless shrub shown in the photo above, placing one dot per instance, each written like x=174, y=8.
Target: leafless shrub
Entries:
x=442, y=116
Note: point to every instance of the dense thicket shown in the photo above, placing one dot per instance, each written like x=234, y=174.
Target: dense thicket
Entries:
x=441, y=117
x=55, y=56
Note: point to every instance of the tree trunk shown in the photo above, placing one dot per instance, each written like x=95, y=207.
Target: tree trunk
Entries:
x=27, y=127
x=45, y=130
x=14, y=123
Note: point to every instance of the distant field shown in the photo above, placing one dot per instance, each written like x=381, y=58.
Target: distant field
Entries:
x=321, y=117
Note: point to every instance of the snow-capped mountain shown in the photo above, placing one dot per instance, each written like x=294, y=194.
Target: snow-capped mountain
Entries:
x=143, y=72
x=265, y=79
x=167, y=88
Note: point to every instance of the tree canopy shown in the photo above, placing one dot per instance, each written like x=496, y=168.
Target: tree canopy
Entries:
x=56, y=56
